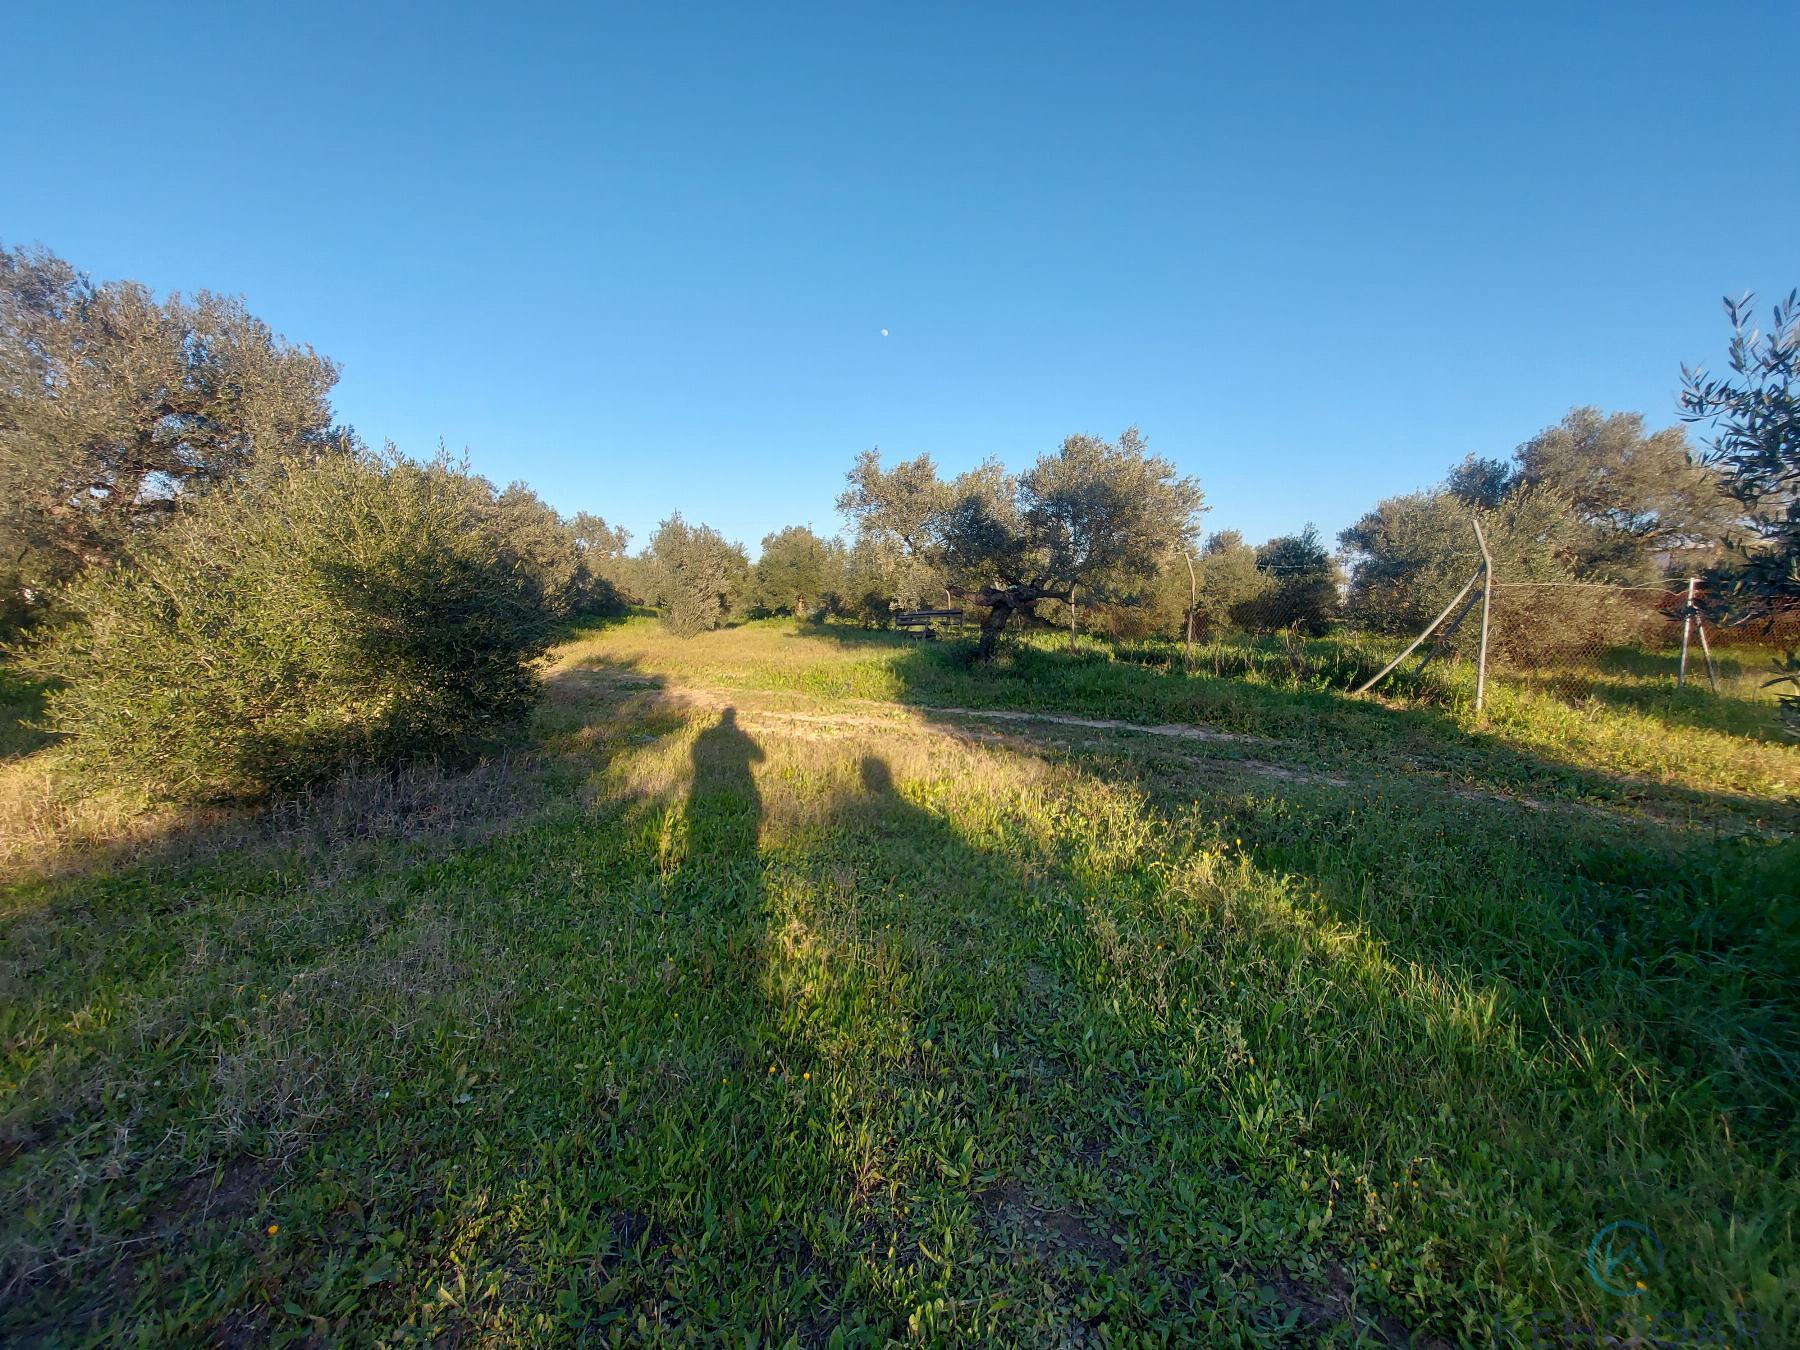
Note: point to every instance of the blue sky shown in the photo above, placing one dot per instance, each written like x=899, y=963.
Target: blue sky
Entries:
x=642, y=257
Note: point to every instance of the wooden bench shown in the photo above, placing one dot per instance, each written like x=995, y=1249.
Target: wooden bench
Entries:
x=925, y=623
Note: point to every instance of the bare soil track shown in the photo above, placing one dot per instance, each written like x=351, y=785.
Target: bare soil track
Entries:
x=803, y=715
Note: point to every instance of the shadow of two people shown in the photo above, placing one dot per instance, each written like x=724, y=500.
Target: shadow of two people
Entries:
x=726, y=807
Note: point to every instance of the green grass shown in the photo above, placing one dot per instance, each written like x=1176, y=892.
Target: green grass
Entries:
x=21, y=705
x=845, y=1016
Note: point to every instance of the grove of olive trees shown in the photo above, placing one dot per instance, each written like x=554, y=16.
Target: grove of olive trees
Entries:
x=231, y=596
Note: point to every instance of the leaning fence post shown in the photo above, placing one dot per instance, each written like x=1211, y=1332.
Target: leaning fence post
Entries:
x=1443, y=638
x=1430, y=628
x=1712, y=673
x=1487, y=599
x=1187, y=635
x=1687, y=625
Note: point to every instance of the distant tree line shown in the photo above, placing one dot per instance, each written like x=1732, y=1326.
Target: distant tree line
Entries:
x=230, y=594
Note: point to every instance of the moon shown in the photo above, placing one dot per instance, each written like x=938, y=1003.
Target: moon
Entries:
x=884, y=332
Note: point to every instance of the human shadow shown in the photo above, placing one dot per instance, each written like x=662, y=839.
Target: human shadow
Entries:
x=951, y=1020
x=725, y=808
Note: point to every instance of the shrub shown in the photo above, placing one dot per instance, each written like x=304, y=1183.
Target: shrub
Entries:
x=564, y=559
x=1301, y=591
x=346, y=610
x=701, y=578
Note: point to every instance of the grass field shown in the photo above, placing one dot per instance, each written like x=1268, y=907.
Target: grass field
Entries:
x=819, y=987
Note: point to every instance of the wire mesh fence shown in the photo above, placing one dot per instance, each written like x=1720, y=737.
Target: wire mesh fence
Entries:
x=1624, y=645
x=1578, y=641
x=1442, y=630
x=1628, y=646
x=1590, y=640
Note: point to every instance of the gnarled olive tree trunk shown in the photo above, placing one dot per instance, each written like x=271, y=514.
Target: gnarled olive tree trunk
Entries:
x=1001, y=602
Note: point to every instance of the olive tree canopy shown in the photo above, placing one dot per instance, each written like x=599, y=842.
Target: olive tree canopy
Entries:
x=114, y=405
x=1638, y=495
x=794, y=571
x=1754, y=416
x=617, y=578
x=1096, y=514
x=699, y=576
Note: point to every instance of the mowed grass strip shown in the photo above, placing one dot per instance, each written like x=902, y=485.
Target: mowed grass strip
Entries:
x=709, y=1023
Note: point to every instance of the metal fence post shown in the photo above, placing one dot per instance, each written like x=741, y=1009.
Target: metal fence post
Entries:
x=1687, y=626
x=1187, y=636
x=1487, y=600
x=1712, y=671
x=1430, y=628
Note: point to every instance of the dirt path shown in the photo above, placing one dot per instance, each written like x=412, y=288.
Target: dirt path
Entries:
x=1038, y=731
x=712, y=697
x=1064, y=731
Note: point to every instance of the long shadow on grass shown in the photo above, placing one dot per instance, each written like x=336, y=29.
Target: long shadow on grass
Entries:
x=996, y=1035
x=1694, y=707
x=1666, y=956
x=1677, y=951
x=1028, y=1008
x=1305, y=727
x=1451, y=1018
x=1677, y=946
x=955, y=994
x=902, y=1043
x=1678, y=943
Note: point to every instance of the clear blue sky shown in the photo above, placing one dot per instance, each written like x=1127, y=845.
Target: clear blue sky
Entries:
x=641, y=257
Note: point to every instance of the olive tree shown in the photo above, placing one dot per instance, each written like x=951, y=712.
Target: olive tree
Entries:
x=870, y=579
x=116, y=407
x=1228, y=582
x=541, y=546
x=616, y=579
x=1301, y=583
x=1202, y=595
x=794, y=571
x=1755, y=418
x=1754, y=415
x=699, y=577
x=352, y=609
x=1098, y=515
x=1637, y=495
x=1410, y=555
